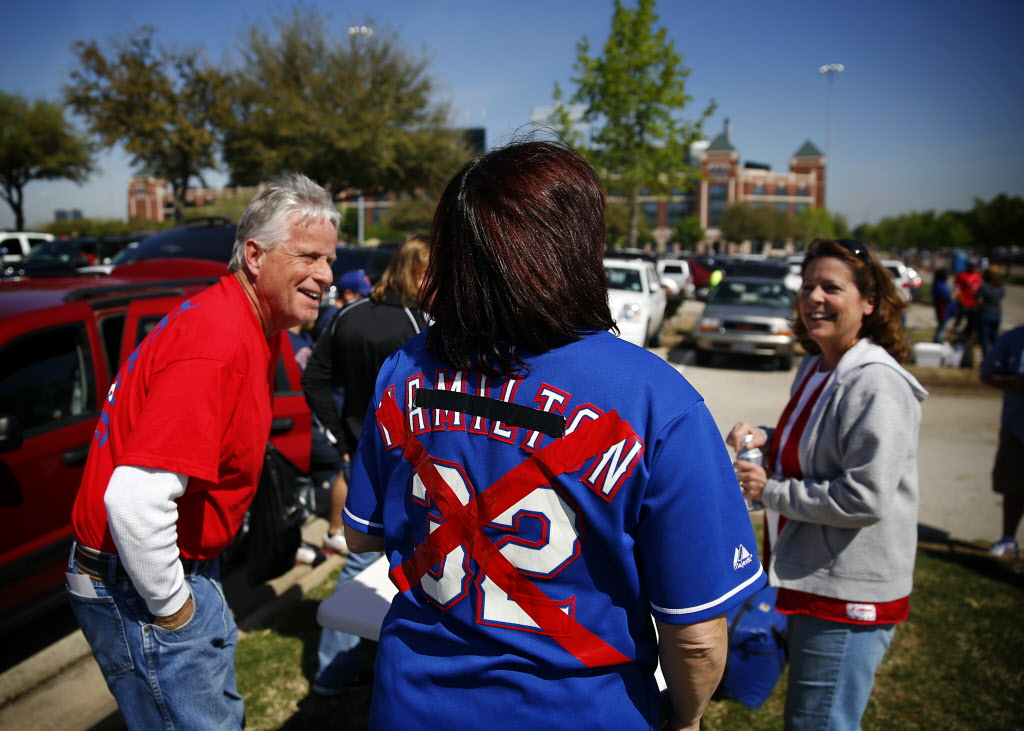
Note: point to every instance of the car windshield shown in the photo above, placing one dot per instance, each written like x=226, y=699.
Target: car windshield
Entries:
x=192, y=242
x=53, y=251
x=126, y=255
x=627, y=279
x=752, y=294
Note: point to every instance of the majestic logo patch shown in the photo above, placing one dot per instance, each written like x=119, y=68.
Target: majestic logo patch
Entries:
x=741, y=557
x=861, y=612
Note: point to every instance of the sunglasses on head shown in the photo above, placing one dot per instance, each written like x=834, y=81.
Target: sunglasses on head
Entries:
x=856, y=248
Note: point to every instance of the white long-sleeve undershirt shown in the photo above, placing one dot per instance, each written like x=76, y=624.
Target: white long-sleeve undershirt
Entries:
x=143, y=520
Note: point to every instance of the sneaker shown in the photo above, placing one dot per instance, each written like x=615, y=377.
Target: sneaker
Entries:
x=307, y=554
x=1006, y=548
x=336, y=542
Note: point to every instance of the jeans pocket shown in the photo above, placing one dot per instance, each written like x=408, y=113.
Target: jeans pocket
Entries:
x=103, y=627
x=184, y=631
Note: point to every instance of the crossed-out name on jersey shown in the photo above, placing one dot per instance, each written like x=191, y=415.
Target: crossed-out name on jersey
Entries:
x=540, y=534
x=607, y=472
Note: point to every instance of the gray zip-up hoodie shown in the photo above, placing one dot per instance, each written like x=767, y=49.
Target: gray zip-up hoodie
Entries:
x=852, y=529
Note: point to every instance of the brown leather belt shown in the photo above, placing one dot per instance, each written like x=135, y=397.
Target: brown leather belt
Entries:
x=97, y=564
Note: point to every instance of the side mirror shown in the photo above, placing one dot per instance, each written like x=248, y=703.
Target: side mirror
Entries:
x=11, y=435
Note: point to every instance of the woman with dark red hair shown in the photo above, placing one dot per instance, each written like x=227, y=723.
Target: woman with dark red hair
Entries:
x=541, y=488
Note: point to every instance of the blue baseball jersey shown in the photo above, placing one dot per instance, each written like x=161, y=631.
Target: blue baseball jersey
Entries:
x=529, y=566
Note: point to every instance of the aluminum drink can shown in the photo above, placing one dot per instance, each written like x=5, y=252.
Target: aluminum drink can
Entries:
x=748, y=453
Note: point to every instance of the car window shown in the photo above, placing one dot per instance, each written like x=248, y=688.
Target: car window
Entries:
x=627, y=279
x=46, y=378
x=53, y=251
x=672, y=269
x=111, y=331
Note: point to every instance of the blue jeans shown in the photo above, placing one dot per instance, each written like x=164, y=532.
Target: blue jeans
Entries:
x=163, y=679
x=340, y=658
x=832, y=671
x=988, y=331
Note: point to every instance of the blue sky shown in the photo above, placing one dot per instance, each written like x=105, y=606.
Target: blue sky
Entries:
x=928, y=114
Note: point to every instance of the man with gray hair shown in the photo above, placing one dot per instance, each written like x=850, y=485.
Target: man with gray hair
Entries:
x=174, y=465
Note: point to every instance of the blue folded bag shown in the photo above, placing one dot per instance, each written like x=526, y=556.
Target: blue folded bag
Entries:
x=757, y=650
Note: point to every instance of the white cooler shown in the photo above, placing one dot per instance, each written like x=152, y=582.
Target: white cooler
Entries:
x=931, y=354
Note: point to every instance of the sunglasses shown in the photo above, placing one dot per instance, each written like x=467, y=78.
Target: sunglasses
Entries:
x=856, y=248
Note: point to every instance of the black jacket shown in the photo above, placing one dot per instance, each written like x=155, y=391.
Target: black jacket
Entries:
x=349, y=354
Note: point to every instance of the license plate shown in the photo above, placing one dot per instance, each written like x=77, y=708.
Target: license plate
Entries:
x=743, y=347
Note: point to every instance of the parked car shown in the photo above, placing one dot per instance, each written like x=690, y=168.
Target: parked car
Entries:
x=636, y=299
x=16, y=245
x=766, y=269
x=61, y=343
x=747, y=316
x=678, y=271
x=915, y=284
x=211, y=238
x=54, y=258
x=371, y=259
x=901, y=275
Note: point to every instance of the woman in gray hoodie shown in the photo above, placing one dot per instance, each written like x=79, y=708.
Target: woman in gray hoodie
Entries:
x=840, y=485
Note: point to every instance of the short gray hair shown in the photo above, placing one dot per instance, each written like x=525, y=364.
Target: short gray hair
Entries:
x=265, y=219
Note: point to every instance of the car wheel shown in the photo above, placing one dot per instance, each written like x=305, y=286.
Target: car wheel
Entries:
x=703, y=358
x=785, y=362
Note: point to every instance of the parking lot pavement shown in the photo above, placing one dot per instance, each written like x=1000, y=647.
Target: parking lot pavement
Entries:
x=61, y=687
x=959, y=425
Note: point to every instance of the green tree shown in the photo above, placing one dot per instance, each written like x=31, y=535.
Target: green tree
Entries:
x=998, y=222
x=37, y=143
x=162, y=105
x=743, y=222
x=688, y=232
x=617, y=222
x=633, y=92
x=410, y=215
x=813, y=222
x=351, y=113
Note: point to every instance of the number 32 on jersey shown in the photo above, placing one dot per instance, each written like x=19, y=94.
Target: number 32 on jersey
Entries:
x=539, y=535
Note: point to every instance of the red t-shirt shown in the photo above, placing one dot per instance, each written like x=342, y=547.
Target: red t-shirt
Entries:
x=195, y=398
x=968, y=283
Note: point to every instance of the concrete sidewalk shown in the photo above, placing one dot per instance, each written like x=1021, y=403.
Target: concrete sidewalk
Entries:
x=61, y=688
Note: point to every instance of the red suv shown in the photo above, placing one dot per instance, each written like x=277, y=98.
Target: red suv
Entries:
x=61, y=343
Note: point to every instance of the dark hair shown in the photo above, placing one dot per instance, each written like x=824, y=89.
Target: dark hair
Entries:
x=940, y=275
x=516, y=266
x=873, y=281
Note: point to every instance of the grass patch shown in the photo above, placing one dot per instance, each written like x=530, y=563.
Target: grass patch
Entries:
x=955, y=664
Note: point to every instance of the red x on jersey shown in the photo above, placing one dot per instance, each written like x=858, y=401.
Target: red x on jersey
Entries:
x=463, y=524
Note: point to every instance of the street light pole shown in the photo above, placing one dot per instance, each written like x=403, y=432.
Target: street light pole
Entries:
x=364, y=31
x=829, y=71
